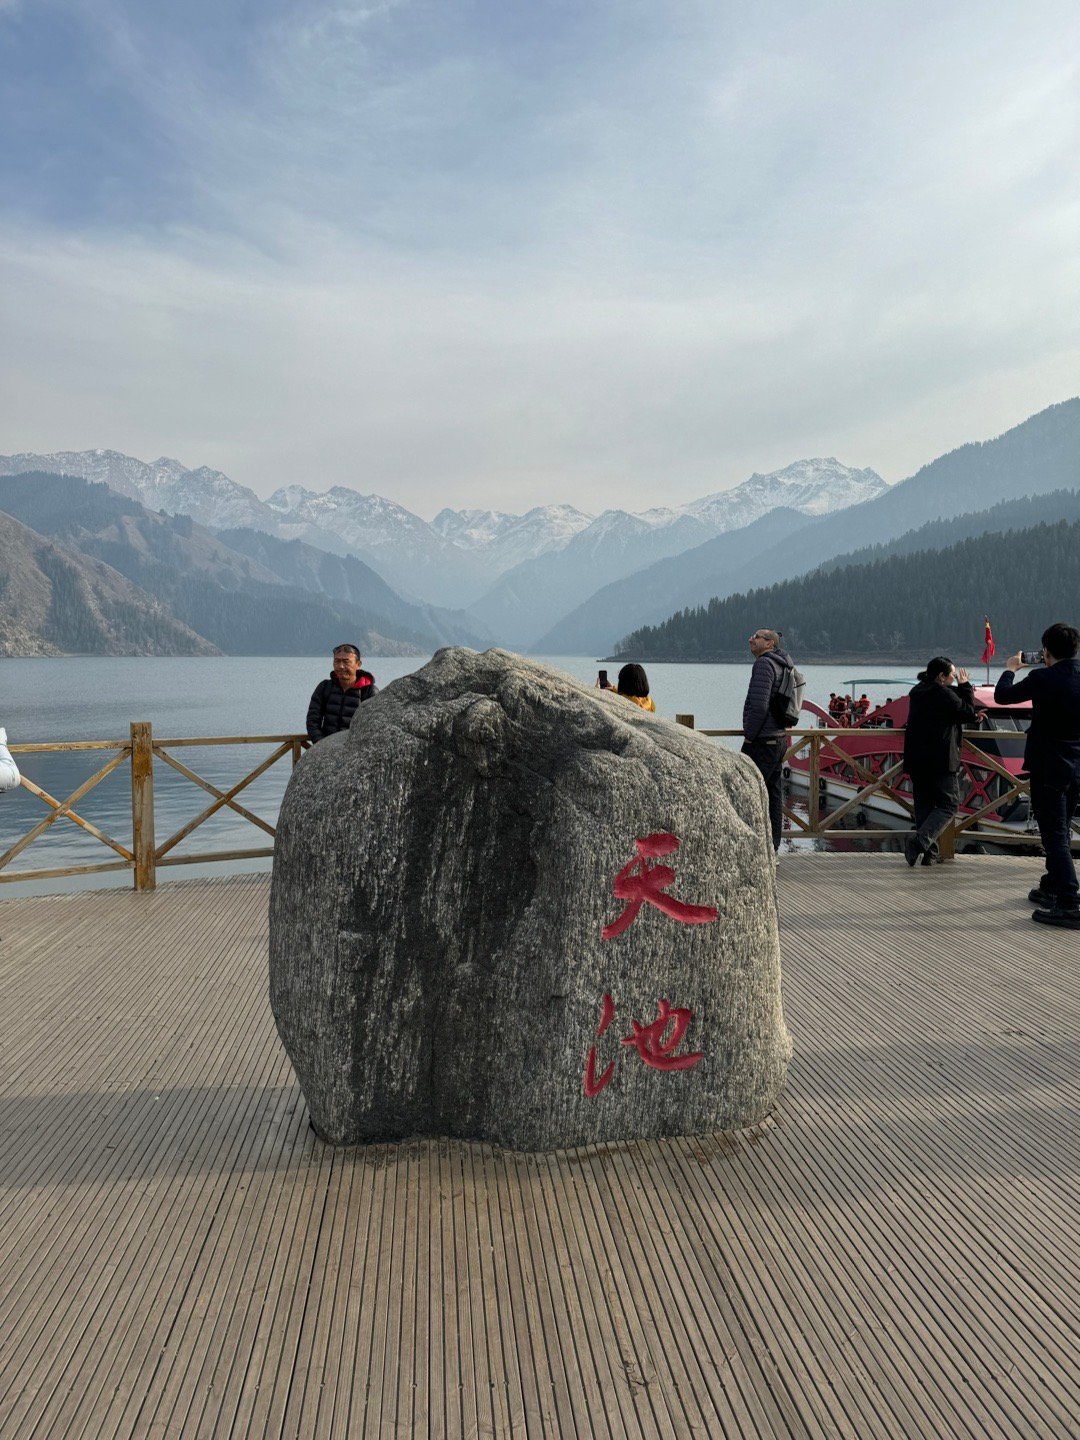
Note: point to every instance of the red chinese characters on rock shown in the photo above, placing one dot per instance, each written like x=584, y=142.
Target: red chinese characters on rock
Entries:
x=652, y=1043
x=640, y=883
x=593, y=1083
x=649, y=1042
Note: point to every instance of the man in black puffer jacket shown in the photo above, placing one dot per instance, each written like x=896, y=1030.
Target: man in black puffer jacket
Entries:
x=764, y=738
x=334, y=702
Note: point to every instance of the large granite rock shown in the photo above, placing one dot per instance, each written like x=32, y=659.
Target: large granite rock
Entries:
x=443, y=877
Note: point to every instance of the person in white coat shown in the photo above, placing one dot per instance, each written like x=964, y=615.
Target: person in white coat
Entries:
x=9, y=771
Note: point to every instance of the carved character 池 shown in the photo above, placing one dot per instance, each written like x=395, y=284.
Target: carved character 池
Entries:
x=594, y=1084
x=649, y=1041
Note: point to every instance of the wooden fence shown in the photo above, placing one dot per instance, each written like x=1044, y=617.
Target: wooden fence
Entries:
x=992, y=789
x=146, y=855
x=988, y=787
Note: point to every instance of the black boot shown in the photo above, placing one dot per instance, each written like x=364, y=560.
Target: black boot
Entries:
x=1066, y=917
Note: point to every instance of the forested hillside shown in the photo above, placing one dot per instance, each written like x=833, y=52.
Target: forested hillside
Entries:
x=905, y=607
x=1019, y=514
x=344, y=577
x=55, y=601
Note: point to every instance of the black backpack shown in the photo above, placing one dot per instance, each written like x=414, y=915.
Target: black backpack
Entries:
x=785, y=702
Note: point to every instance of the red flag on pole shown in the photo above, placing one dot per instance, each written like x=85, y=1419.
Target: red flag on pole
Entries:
x=988, y=643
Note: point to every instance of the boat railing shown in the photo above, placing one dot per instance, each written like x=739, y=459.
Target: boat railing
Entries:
x=146, y=854
x=991, y=787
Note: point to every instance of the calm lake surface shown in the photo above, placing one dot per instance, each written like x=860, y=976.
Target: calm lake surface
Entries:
x=96, y=699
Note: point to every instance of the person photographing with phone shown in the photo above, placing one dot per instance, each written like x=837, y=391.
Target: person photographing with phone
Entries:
x=1052, y=760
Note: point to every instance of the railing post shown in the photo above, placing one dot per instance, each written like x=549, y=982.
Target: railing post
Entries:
x=947, y=842
x=687, y=720
x=814, y=798
x=142, y=803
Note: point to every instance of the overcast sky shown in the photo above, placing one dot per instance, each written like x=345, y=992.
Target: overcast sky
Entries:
x=509, y=252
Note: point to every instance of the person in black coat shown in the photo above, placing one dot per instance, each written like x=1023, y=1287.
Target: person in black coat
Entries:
x=764, y=738
x=938, y=712
x=1052, y=759
x=335, y=701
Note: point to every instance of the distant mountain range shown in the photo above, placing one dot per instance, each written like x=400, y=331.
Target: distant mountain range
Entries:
x=504, y=567
x=723, y=564
x=206, y=495
x=197, y=591
x=508, y=540
x=1034, y=458
x=529, y=600
x=557, y=579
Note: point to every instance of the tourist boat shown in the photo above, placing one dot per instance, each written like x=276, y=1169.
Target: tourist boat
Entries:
x=847, y=764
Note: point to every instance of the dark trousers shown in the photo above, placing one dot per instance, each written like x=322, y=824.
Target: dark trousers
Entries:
x=1053, y=807
x=768, y=756
x=936, y=797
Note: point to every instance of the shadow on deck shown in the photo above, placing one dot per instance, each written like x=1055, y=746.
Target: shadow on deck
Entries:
x=894, y=1253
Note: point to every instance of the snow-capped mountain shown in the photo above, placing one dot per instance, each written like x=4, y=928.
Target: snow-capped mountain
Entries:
x=529, y=600
x=388, y=537
x=623, y=527
x=813, y=487
x=473, y=529
x=212, y=499
x=289, y=497
x=366, y=520
x=506, y=540
x=206, y=495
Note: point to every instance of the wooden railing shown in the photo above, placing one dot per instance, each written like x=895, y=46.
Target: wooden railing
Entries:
x=992, y=788
x=145, y=855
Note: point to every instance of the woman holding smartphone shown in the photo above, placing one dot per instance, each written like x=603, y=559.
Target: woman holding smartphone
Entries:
x=634, y=685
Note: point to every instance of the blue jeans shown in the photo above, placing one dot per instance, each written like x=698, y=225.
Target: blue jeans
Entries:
x=1053, y=806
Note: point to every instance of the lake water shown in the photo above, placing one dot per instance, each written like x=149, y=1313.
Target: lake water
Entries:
x=86, y=698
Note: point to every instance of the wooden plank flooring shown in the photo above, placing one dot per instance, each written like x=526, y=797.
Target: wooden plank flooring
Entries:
x=893, y=1254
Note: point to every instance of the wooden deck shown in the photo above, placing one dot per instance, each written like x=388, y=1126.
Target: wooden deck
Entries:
x=894, y=1254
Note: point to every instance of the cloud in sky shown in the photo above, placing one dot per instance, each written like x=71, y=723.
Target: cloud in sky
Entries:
x=459, y=251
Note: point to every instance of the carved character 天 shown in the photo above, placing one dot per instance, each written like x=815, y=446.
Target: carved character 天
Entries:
x=640, y=883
